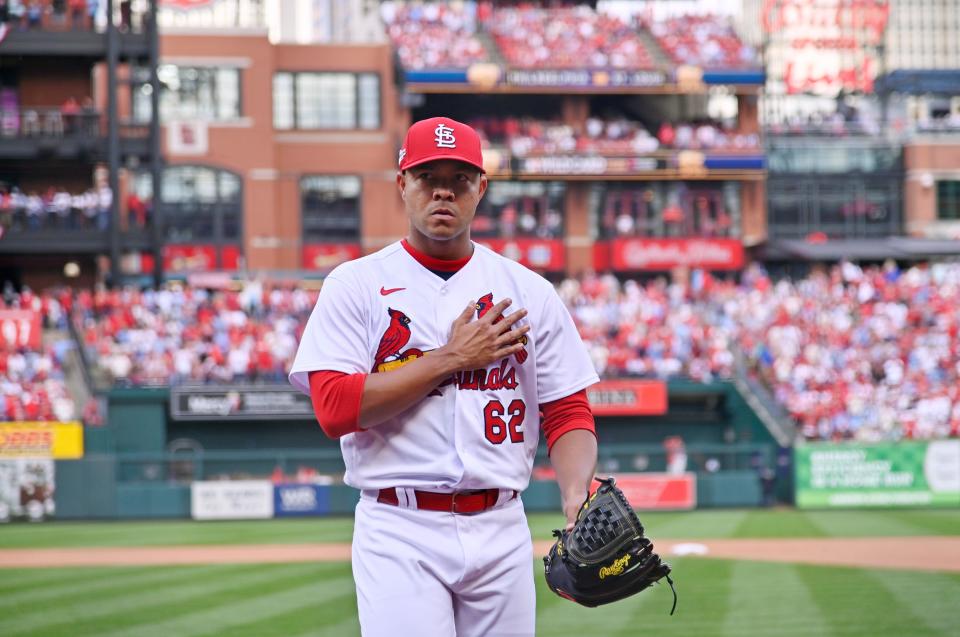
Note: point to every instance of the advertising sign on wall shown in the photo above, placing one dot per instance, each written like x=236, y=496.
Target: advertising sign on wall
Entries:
x=908, y=473
x=58, y=440
x=241, y=403
x=292, y=500
x=659, y=490
x=324, y=257
x=231, y=500
x=633, y=255
x=628, y=398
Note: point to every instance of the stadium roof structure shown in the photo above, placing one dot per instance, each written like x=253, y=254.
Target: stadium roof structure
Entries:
x=906, y=248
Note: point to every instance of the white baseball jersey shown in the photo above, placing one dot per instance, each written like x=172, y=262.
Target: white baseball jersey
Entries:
x=480, y=428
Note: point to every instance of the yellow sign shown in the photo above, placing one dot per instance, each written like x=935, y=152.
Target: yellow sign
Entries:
x=58, y=440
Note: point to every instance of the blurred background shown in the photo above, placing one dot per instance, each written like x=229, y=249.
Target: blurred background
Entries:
x=751, y=209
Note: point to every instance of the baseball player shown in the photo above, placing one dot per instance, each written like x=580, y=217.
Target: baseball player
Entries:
x=437, y=363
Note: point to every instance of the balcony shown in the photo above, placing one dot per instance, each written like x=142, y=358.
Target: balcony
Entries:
x=49, y=132
x=55, y=31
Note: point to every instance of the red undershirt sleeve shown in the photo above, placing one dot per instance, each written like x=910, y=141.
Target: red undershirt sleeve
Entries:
x=566, y=414
x=336, y=401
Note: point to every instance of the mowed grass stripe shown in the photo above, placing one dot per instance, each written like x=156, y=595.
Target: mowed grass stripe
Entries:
x=853, y=602
x=346, y=627
x=933, y=597
x=97, y=583
x=785, y=523
x=337, y=606
x=176, y=532
x=26, y=579
x=227, y=613
x=771, y=599
x=84, y=613
x=702, y=587
x=868, y=523
x=937, y=522
x=693, y=524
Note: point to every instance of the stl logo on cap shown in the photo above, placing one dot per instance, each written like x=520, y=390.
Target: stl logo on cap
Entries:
x=403, y=153
x=444, y=137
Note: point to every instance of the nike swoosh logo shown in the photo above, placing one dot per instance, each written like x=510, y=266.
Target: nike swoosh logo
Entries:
x=384, y=291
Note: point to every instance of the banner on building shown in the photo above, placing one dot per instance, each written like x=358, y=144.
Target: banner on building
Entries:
x=299, y=500
x=584, y=78
x=634, y=255
x=628, y=398
x=27, y=488
x=588, y=165
x=324, y=257
x=21, y=328
x=240, y=403
x=537, y=254
x=56, y=440
x=231, y=500
x=193, y=258
x=907, y=473
x=646, y=491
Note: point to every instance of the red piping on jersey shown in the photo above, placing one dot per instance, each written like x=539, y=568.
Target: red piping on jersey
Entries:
x=433, y=263
x=566, y=414
x=336, y=401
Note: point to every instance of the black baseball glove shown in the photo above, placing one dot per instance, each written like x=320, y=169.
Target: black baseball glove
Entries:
x=606, y=556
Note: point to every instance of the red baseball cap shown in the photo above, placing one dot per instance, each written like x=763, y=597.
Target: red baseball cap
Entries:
x=440, y=138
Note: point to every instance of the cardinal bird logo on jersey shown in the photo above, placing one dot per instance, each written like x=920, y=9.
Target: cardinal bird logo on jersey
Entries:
x=484, y=303
x=394, y=339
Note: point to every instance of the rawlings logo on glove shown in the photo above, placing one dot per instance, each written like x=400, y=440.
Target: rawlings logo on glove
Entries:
x=605, y=557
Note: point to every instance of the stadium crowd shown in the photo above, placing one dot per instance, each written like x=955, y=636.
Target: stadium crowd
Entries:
x=525, y=136
x=433, y=35
x=708, y=41
x=565, y=37
x=183, y=335
x=850, y=353
x=55, y=208
x=32, y=385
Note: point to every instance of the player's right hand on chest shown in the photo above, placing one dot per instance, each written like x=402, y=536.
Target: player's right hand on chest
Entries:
x=477, y=343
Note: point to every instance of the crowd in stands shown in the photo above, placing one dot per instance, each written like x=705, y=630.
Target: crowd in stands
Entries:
x=433, y=35
x=871, y=354
x=557, y=35
x=32, y=386
x=56, y=208
x=183, y=335
x=868, y=353
x=525, y=136
x=63, y=15
x=707, y=41
x=565, y=37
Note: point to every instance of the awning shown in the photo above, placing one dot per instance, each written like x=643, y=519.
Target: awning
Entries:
x=903, y=248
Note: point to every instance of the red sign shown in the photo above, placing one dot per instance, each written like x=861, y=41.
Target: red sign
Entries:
x=194, y=258
x=659, y=490
x=327, y=256
x=634, y=255
x=21, y=328
x=537, y=254
x=628, y=398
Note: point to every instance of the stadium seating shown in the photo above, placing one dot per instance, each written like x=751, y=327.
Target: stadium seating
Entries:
x=433, y=35
x=867, y=354
x=565, y=38
x=32, y=386
x=707, y=41
x=182, y=335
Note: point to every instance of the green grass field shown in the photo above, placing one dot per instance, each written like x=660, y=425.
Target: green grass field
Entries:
x=717, y=597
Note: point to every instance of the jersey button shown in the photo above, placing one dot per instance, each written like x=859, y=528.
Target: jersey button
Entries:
x=443, y=290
